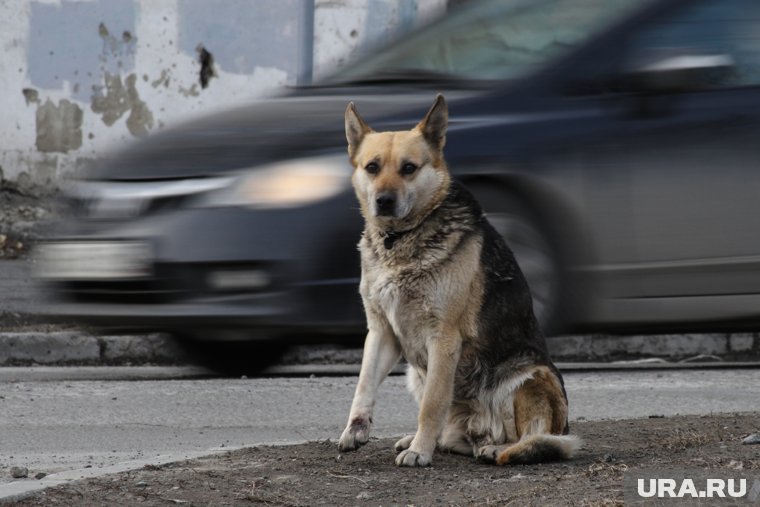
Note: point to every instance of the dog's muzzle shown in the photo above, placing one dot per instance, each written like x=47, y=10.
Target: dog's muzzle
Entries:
x=385, y=204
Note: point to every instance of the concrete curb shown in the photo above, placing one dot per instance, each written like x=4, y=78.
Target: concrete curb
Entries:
x=352, y=370
x=102, y=373
x=20, y=489
x=604, y=347
x=78, y=348
x=72, y=347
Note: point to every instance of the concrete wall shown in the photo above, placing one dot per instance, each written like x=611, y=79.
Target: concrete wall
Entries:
x=79, y=77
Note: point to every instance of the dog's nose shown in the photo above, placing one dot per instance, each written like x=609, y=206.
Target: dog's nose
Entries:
x=386, y=202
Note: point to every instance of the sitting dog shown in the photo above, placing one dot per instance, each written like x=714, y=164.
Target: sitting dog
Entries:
x=441, y=288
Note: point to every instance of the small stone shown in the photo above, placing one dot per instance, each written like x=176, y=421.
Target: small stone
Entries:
x=19, y=472
x=608, y=458
x=40, y=475
x=363, y=496
x=752, y=439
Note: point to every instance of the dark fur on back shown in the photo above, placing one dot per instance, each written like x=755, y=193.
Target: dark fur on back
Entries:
x=510, y=335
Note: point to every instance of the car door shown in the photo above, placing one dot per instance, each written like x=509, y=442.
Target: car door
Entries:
x=673, y=185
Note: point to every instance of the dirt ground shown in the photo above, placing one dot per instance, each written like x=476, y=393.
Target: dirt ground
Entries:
x=316, y=474
x=22, y=216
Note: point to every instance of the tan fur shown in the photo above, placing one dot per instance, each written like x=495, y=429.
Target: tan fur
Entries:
x=425, y=305
x=539, y=402
x=390, y=150
x=540, y=409
x=539, y=417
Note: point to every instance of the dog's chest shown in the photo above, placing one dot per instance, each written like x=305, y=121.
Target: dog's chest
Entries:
x=404, y=299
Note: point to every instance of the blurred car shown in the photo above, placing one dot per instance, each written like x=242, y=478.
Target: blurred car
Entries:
x=614, y=143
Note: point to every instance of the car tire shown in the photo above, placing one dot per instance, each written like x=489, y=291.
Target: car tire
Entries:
x=231, y=358
x=536, y=254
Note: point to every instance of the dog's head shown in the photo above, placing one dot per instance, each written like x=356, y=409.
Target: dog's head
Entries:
x=399, y=177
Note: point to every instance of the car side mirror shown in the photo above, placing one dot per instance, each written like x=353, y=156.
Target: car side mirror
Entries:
x=678, y=72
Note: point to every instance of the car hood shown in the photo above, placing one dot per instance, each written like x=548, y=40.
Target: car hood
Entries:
x=304, y=123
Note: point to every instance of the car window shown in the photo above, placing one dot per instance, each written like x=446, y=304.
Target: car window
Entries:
x=501, y=39
x=709, y=31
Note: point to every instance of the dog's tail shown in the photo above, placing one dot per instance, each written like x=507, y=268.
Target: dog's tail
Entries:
x=539, y=448
x=540, y=411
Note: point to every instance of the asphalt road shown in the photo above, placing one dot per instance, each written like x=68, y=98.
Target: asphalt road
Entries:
x=52, y=426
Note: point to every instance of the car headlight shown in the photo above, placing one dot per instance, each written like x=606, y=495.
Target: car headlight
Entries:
x=285, y=184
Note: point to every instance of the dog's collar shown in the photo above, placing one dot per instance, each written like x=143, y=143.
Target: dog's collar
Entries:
x=390, y=237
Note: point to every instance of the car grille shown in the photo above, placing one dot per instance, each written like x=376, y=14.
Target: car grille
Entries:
x=167, y=286
x=122, y=293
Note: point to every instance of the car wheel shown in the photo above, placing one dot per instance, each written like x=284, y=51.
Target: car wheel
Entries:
x=231, y=358
x=532, y=246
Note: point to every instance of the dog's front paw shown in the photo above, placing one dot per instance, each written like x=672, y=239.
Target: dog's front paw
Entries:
x=356, y=434
x=409, y=458
x=404, y=443
x=488, y=453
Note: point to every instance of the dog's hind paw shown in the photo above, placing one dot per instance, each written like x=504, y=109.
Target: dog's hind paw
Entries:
x=355, y=435
x=404, y=443
x=409, y=458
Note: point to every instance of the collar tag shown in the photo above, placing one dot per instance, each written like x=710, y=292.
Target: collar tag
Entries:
x=391, y=237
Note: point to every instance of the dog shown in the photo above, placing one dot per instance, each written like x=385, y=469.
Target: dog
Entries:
x=441, y=288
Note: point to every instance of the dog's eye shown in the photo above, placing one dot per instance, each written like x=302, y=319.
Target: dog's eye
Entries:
x=408, y=168
x=372, y=168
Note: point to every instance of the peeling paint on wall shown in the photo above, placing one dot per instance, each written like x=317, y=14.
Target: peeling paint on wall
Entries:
x=112, y=104
x=189, y=92
x=59, y=128
x=206, y=60
x=164, y=79
x=116, y=48
x=31, y=96
x=140, y=119
x=120, y=97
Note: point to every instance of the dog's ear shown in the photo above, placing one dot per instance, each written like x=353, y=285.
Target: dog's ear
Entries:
x=433, y=126
x=356, y=129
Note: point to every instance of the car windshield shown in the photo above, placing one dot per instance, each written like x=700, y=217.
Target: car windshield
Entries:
x=491, y=40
